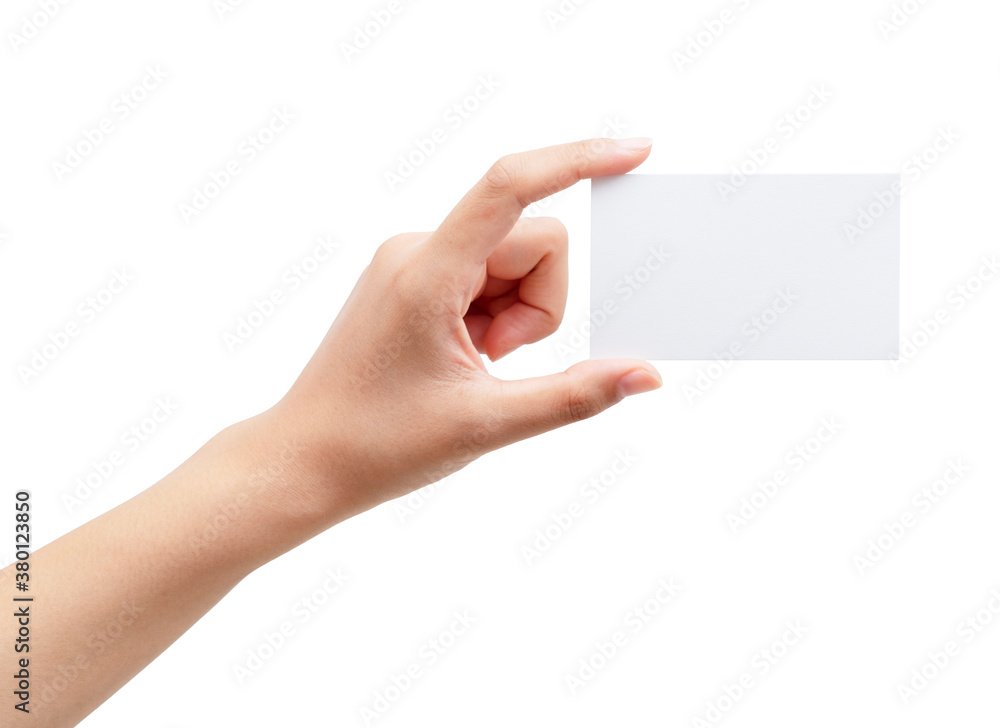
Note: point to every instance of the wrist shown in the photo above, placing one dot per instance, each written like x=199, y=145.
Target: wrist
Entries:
x=297, y=467
x=269, y=496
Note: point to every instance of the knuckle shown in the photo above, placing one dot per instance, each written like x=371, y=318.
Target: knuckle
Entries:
x=392, y=262
x=392, y=247
x=559, y=228
x=385, y=253
x=557, y=233
x=499, y=180
x=568, y=177
x=581, y=404
x=591, y=148
x=551, y=322
x=548, y=232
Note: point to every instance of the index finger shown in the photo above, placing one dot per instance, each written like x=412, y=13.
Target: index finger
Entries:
x=489, y=210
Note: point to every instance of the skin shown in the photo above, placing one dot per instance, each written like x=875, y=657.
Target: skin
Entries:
x=396, y=397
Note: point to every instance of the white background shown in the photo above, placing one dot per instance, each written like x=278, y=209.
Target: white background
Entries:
x=610, y=67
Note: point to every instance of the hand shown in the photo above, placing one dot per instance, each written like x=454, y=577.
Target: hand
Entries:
x=397, y=395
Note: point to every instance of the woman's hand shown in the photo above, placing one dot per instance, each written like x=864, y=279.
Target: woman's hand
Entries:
x=397, y=395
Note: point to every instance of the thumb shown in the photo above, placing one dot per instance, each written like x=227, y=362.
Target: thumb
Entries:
x=534, y=406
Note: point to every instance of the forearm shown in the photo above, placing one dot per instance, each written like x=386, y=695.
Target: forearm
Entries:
x=113, y=594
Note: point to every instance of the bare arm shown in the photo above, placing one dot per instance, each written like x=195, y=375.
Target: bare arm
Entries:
x=395, y=397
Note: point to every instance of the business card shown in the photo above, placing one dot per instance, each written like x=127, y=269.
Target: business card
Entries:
x=792, y=266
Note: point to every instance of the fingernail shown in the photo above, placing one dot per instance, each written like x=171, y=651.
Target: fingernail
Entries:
x=639, y=381
x=636, y=144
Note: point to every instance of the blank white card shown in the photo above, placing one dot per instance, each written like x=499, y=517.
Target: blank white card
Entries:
x=783, y=267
